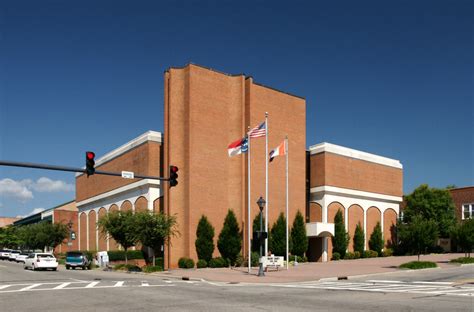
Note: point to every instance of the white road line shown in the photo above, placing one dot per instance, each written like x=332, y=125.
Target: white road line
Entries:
x=92, y=284
x=434, y=283
x=62, y=285
x=29, y=287
x=471, y=290
x=169, y=282
x=189, y=282
x=119, y=284
x=4, y=286
x=145, y=284
x=385, y=281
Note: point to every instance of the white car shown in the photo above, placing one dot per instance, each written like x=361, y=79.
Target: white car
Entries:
x=22, y=257
x=13, y=255
x=39, y=261
x=4, y=254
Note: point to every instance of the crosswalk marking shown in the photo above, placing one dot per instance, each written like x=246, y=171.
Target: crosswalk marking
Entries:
x=29, y=287
x=119, y=284
x=62, y=285
x=92, y=284
x=145, y=284
x=4, y=286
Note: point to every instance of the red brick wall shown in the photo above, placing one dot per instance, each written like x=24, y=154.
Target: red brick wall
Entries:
x=345, y=172
x=389, y=222
x=461, y=196
x=64, y=217
x=204, y=112
x=102, y=237
x=315, y=213
x=356, y=215
x=92, y=231
x=373, y=216
x=142, y=160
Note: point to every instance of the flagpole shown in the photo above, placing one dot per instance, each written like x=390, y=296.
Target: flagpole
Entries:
x=287, y=216
x=248, y=204
x=266, y=181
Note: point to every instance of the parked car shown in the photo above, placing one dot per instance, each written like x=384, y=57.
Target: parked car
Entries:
x=4, y=254
x=22, y=256
x=75, y=259
x=13, y=255
x=38, y=261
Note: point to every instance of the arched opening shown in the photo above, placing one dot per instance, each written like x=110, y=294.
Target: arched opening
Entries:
x=373, y=216
x=355, y=216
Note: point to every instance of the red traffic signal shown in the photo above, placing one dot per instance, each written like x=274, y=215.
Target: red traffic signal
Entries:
x=90, y=163
x=173, y=176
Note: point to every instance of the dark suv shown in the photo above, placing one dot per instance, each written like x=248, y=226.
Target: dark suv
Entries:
x=76, y=259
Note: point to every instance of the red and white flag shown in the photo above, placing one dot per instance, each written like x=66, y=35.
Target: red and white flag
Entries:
x=278, y=151
x=238, y=147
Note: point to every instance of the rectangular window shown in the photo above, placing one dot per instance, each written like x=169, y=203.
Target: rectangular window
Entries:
x=467, y=211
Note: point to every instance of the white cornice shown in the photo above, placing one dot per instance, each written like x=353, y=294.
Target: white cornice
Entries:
x=355, y=193
x=152, y=136
x=352, y=153
x=119, y=190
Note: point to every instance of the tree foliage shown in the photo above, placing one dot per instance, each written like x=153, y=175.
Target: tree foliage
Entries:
x=464, y=235
x=298, y=236
x=204, y=239
x=122, y=226
x=255, y=245
x=230, y=242
x=418, y=235
x=359, y=239
x=432, y=204
x=154, y=229
x=340, y=240
x=277, y=242
x=376, y=241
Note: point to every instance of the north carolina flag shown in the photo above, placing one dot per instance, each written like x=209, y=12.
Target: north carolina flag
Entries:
x=238, y=147
x=278, y=151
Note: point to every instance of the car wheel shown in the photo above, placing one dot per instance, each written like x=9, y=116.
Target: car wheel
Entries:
x=33, y=267
x=24, y=267
x=55, y=269
x=67, y=267
x=73, y=268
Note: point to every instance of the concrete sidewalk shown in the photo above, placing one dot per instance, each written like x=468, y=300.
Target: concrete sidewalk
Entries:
x=308, y=271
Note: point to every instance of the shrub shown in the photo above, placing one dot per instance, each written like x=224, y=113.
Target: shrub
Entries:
x=463, y=260
x=416, y=265
x=201, y=264
x=349, y=255
x=387, y=252
x=127, y=267
x=336, y=256
x=152, y=268
x=240, y=260
x=298, y=236
x=356, y=254
x=254, y=259
x=218, y=262
x=359, y=239
x=119, y=255
x=340, y=240
x=185, y=263
x=277, y=241
x=204, y=239
x=230, y=241
x=369, y=254
x=376, y=239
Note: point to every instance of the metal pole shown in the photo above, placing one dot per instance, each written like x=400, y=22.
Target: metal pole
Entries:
x=287, y=201
x=260, y=267
x=248, y=208
x=72, y=169
x=266, y=180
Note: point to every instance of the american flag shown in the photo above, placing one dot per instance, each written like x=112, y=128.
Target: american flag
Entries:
x=258, y=131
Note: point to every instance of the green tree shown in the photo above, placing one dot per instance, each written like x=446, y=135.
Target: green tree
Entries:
x=154, y=230
x=10, y=237
x=359, y=239
x=256, y=227
x=298, y=236
x=376, y=239
x=340, y=240
x=277, y=242
x=464, y=235
x=204, y=239
x=122, y=226
x=418, y=235
x=432, y=204
x=230, y=242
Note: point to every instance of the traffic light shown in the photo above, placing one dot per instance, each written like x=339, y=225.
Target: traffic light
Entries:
x=173, y=176
x=90, y=163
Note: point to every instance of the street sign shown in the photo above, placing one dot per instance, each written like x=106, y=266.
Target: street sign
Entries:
x=127, y=175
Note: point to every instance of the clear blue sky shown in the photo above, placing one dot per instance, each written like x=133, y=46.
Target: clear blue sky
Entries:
x=394, y=78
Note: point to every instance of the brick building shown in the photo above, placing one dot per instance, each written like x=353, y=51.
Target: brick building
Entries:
x=464, y=201
x=205, y=110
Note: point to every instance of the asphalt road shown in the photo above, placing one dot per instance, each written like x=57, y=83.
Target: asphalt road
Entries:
x=25, y=290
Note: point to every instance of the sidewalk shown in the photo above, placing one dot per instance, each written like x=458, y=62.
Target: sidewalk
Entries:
x=312, y=271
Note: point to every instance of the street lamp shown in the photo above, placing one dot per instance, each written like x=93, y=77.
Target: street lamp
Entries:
x=261, y=204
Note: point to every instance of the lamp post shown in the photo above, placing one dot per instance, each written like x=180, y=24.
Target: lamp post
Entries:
x=261, y=204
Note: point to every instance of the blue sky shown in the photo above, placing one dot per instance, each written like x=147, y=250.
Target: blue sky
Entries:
x=393, y=78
